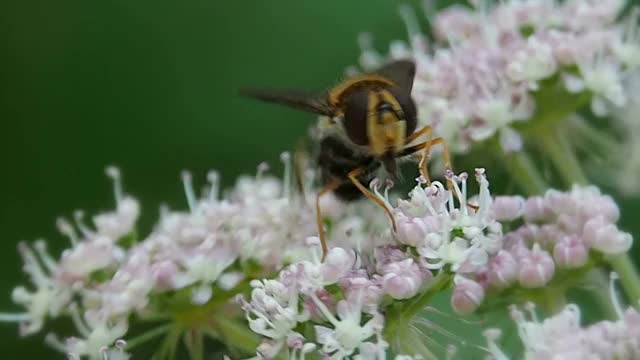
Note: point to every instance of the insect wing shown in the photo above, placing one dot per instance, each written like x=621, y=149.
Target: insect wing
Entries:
x=305, y=101
x=401, y=72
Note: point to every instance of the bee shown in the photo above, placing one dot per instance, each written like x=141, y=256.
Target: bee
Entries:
x=373, y=120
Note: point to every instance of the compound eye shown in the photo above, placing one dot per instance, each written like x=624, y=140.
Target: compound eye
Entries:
x=409, y=112
x=355, y=117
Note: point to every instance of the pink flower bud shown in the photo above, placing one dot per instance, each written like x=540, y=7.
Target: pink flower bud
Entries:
x=402, y=280
x=519, y=252
x=503, y=270
x=530, y=233
x=512, y=240
x=163, y=274
x=536, y=268
x=549, y=235
x=357, y=283
x=467, y=295
x=508, y=208
x=411, y=230
x=560, y=201
x=605, y=237
x=602, y=205
x=609, y=209
x=570, y=252
x=536, y=209
x=387, y=254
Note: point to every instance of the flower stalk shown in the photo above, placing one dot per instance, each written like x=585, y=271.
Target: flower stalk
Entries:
x=148, y=336
x=231, y=332
x=629, y=277
x=522, y=169
x=402, y=313
x=555, y=145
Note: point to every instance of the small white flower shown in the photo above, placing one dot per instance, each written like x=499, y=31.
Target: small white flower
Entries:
x=604, y=78
x=453, y=253
x=273, y=311
x=49, y=297
x=532, y=63
x=88, y=256
x=348, y=334
x=205, y=268
x=606, y=237
x=97, y=338
x=458, y=236
x=121, y=222
x=562, y=336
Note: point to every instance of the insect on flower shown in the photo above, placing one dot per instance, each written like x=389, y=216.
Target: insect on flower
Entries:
x=373, y=120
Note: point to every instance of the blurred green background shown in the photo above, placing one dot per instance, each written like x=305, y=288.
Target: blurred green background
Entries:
x=151, y=87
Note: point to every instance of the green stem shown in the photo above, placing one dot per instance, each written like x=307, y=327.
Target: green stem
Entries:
x=521, y=167
x=234, y=334
x=399, y=316
x=169, y=345
x=409, y=341
x=554, y=143
x=594, y=136
x=195, y=345
x=629, y=277
x=147, y=336
x=555, y=300
x=598, y=281
x=440, y=282
x=398, y=330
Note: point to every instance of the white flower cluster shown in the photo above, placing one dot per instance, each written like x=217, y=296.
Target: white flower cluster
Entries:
x=484, y=73
x=93, y=252
x=337, y=301
x=446, y=235
x=337, y=307
x=562, y=336
x=213, y=250
x=625, y=159
x=561, y=230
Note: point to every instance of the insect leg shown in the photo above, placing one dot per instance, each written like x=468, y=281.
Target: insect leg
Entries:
x=321, y=233
x=426, y=146
x=353, y=176
x=424, y=154
x=424, y=131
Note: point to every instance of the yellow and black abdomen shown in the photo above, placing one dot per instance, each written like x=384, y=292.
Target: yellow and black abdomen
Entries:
x=336, y=160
